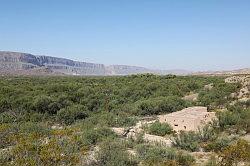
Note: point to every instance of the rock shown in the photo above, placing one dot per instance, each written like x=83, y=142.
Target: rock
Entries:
x=244, y=80
x=246, y=137
x=132, y=152
x=191, y=97
x=244, y=92
x=157, y=139
x=245, y=99
x=209, y=86
x=57, y=127
x=118, y=131
x=233, y=95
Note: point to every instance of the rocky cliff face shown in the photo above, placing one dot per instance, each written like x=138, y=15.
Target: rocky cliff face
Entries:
x=27, y=63
x=23, y=63
x=12, y=61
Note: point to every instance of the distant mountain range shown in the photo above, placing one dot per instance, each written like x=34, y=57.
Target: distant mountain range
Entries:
x=16, y=63
x=224, y=72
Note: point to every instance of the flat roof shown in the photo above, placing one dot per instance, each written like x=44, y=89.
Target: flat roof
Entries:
x=191, y=112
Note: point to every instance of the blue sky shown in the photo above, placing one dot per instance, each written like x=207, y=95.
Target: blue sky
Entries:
x=163, y=34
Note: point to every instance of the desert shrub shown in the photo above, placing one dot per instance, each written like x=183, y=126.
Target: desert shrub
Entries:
x=93, y=136
x=5, y=105
x=218, y=95
x=37, y=117
x=113, y=154
x=114, y=120
x=248, y=103
x=33, y=128
x=160, y=129
x=236, y=118
x=213, y=161
x=193, y=140
x=10, y=134
x=235, y=153
x=159, y=105
x=70, y=114
x=6, y=132
x=156, y=155
x=42, y=104
x=187, y=141
x=207, y=133
x=7, y=117
x=218, y=145
x=227, y=119
x=125, y=121
x=29, y=151
x=244, y=122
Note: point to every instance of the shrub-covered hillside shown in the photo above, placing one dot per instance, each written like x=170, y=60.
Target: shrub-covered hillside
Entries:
x=68, y=120
x=67, y=99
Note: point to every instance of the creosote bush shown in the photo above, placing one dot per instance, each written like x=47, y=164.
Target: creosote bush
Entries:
x=71, y=114
x=160, y=129
x=113, y=154
x=159, y=155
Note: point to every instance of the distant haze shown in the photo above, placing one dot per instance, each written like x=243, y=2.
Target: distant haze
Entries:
x=190, y=35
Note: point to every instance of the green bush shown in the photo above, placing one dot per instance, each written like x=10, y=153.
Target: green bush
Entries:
x=93, y=136
x=70, y=114
x=236, y=119
x=207, y=133
x=218, y=145
x=114, y=154
x=235, y=154
x=7, y=117
x=42, y=104
x=5, y=105
x=160, y=129
x=159, y=105
x=227, y=119
x=187, y=141
x=218, y=95
x=158, y=155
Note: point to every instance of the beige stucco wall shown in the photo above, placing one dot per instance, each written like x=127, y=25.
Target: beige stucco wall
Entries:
x=190, y=120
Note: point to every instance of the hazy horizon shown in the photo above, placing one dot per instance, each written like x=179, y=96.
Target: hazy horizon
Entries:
x=188, y=35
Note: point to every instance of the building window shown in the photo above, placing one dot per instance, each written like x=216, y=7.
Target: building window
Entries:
x=185, y=127
x=176, y=125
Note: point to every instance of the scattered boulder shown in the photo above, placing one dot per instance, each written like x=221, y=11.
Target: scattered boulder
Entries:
x=191, y=97
x=244, y=92
x=233, y=95
x=118, y=131
x=245, y=99
x=157, y=139
x=56, y=127
x=246, y=137
x=244, y=80
x=209, y=86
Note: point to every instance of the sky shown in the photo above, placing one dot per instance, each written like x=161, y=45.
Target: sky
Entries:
x=159, y=34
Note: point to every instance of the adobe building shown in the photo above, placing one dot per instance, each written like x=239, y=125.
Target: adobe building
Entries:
x=188, y=119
